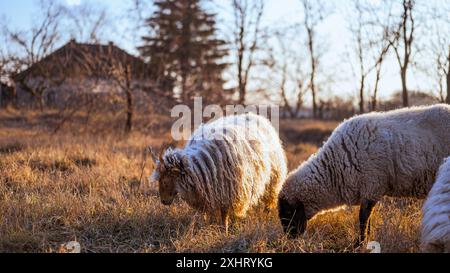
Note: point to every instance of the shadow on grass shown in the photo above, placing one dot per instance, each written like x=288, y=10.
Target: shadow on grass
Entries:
x=154, y=232
x=52, y=167
x=100, y=233
x=11, y=148
x=84, y=162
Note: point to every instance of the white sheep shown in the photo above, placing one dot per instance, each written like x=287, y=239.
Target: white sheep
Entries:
x=227, y=166
x=436, y=214
x=394, y=153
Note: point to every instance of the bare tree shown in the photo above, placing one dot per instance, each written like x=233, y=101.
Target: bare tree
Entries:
x=247, y=23
x=126, y=73
x=358, y=29
x=380, y=54
x=32, y=46
x=314, y=14
x=293, y=103
x=371, y=48
x=293, y=82
x=106, y=80
x=439, y=49
x=122, y=74
x=29, y=48
x=86, y=23
x=4, y=63
x=136, y=14
x=401, y=38
x=445, y=68
x=442, y=68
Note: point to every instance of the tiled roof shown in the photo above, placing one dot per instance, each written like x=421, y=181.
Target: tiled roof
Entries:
x=79, y=59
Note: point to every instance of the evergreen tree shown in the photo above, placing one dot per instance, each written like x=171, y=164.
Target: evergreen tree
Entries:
x=183, y=50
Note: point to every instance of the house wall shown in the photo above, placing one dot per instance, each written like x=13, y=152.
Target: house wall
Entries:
x=6, y=95
x=71, y=91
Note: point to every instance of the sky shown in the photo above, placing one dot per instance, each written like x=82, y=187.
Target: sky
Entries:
x=19, y=14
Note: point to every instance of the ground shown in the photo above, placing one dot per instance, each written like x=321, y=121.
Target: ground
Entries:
x=83, y=181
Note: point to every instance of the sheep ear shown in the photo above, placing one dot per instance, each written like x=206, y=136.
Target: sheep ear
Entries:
x=153, y=154
x=160, y=156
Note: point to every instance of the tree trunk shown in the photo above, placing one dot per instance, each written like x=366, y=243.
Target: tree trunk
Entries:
x=242, y=92
x=299, y=103
x=320, y=110
x=447, y=100
x=375, y=90
x=290, y=109
x=361, y=95
x=375, y=94
x=448, y=78
x=313, y=70
x=314, y=96
x=374, y=103
x=241, y=83
x=41, y=103
x=404, y=88
x=14, y=99
x=312, y=83
x=130, y=104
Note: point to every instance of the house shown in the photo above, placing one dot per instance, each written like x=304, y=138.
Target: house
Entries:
x=78, y=69
x=6, y=94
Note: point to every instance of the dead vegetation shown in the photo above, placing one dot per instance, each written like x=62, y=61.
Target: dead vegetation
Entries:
x=86, y=187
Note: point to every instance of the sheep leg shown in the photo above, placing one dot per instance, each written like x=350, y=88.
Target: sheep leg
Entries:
x=225, y=220
x=207, y=218
x=365, y=211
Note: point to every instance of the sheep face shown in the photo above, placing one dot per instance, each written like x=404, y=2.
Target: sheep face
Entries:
x=292, y=217
x=167, y=187
x=168, y=174
x=295, y=203
x=168, y=181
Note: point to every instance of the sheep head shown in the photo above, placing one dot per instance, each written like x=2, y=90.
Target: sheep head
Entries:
x=296, y=202
x=292, y=217
x=169, y=173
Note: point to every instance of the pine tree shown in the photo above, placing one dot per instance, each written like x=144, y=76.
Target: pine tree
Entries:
x=184, y=51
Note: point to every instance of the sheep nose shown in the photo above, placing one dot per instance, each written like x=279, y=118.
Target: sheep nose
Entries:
x=293, y=233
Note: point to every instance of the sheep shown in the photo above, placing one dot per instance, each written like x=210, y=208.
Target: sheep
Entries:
x=367, y=157
x=227, y=167
x=436, y=214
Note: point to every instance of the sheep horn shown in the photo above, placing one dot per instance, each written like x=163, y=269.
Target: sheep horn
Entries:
x=153, y=154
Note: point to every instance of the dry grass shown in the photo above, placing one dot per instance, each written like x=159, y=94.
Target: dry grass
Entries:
x=85, y=185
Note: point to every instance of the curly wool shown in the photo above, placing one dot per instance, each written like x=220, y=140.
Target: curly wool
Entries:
x=436, y=214
x=230, y=164
x=393, y=153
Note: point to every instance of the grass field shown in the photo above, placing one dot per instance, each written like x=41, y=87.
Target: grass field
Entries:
x=83, y=183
